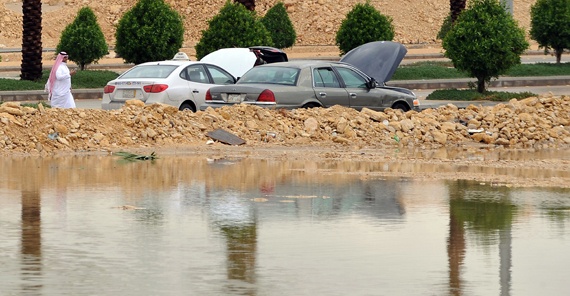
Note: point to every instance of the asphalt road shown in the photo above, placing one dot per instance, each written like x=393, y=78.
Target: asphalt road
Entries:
x=422, y=94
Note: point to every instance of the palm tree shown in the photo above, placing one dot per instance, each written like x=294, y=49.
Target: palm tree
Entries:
x=32, y=40
x=456, y=7
x=249, y=4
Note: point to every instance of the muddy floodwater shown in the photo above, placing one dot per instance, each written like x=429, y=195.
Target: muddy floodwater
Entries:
x=203, y=225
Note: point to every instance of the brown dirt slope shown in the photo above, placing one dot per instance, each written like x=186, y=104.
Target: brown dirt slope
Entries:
x=537, y=123
x=315, y=21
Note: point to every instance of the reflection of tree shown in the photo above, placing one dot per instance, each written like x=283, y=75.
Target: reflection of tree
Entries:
x=455, y=253
x=486, y=212
x=241, y=241
x=31, y=239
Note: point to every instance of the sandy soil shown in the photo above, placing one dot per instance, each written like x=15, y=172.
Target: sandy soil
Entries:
x=316, y=22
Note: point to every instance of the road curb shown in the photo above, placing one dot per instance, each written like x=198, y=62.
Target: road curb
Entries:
x=97, y=93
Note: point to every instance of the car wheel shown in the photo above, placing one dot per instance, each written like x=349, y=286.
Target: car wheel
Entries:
x=401, y=106
x=187, y=106
x=311, y=105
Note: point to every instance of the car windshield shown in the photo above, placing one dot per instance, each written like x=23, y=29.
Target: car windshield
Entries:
x=271, y=75
x=149, y=71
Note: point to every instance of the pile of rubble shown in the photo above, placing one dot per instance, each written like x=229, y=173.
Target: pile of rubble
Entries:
x=538, y=122
x=316, y=22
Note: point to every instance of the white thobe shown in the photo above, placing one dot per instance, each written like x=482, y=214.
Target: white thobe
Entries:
x=61, y=96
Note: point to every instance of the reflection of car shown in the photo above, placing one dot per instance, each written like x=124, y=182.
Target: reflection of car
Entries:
x=181, y=83
x=357, y=81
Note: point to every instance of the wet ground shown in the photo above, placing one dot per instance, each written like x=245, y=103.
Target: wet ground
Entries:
x=239, y=225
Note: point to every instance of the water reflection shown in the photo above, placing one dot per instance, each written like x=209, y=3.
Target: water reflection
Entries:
x=487, y=212
x=31, y=240
x=239, y=226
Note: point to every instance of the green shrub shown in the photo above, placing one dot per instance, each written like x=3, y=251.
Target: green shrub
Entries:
x=279, y=25
x=363, y=24
x=233, y=26
x=150, y=31
x=485, y=41
x=83, y=39
x=550, y=25
x=445, y=27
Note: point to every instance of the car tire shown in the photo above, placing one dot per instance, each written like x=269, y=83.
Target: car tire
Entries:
x=311, y=105
x=401, y=106
x=187, y=106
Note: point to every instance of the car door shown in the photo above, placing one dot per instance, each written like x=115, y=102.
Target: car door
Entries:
x=198, y=82
x=359, y=94
x=328, y=89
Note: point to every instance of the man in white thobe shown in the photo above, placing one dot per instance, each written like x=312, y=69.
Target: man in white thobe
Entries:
x=59, y=83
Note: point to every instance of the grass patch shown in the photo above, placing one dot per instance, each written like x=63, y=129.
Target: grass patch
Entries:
x=428, y=70
x=35, y=105
x=473, y=95
x=540, y=69
x=445, y=70
x=82, y=79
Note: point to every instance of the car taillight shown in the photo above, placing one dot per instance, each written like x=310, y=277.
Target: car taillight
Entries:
x=266, y=96
x=208, y=95
x=109, y=89
x=155, y=88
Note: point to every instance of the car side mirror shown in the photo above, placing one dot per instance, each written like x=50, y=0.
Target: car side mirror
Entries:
x=371, y=83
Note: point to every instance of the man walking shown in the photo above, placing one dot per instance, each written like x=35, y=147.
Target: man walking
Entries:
x=59, y=83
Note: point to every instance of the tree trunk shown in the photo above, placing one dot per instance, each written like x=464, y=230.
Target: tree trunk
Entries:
x=480, y=85
x=558, y=53
x=31, y=68
x=456, y=7
x=249, y=4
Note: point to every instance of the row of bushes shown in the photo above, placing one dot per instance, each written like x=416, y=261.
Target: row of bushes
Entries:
x=484, y=41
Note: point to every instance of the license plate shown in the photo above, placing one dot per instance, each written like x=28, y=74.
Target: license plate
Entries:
x=129, y=93
x=234, y=98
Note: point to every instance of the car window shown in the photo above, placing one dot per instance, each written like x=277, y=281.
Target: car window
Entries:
x=195, y=73
x=325, y=77
x=272, y=75
x=149, y=71
x=220, y=76
x=351, y=78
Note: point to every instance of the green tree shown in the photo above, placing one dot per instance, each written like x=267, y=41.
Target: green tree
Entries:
x=550, y=25
x=363, y=24
x=150, y=31
x=485, y=41
x=83, y=39
x=233, y=26
x=445, y=27
x=31, y=68
x=279, y=25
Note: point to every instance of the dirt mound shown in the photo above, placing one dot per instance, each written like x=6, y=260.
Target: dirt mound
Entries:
x=542, y=122
x=315, y=22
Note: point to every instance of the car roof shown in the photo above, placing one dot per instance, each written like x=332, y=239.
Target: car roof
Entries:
x=303, y=64
x=170, y=62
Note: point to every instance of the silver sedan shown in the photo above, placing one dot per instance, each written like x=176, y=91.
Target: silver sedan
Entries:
x=357, y=81
x=306, y=84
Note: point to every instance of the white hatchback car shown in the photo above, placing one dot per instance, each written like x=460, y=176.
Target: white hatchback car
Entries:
x=179, y=82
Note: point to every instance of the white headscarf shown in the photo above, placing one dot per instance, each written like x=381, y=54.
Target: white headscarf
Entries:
x=52, y=78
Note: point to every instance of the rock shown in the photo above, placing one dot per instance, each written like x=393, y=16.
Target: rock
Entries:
x=311, y=125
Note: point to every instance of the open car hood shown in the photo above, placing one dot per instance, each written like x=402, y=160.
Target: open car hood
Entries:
x=237, y=61
x=378, y=59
